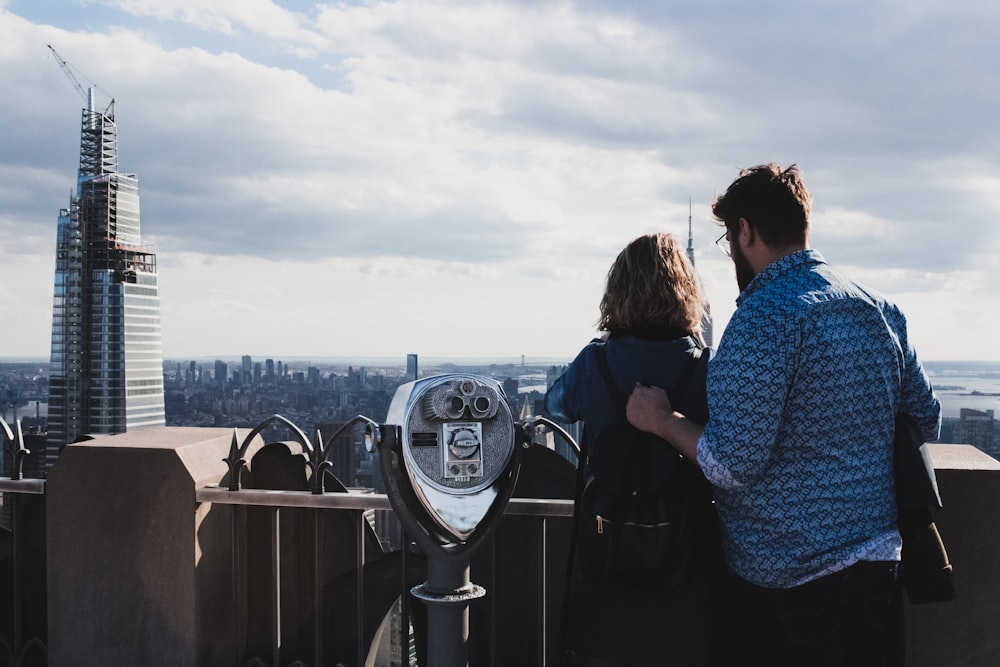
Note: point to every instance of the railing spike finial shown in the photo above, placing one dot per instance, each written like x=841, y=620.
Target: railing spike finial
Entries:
x=19, y=453
x=15, y=447
x=315, y=464
x=319, y=476
x=236, y=462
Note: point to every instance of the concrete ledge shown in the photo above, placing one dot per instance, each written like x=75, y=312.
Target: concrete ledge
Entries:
x=961, y=457
x=123, y=547
x=963, y=632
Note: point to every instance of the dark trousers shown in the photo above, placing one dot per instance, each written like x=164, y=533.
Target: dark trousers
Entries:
x=838, y=620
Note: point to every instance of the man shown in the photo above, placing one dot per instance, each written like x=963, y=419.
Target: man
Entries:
x=802, y=393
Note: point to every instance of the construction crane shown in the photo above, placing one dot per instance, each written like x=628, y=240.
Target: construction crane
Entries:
x=88, y=94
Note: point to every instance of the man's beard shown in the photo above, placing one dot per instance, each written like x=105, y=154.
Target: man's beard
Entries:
x=744, y=272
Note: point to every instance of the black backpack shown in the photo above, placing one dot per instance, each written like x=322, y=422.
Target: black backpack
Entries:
x=642, y=508
x=647, y=550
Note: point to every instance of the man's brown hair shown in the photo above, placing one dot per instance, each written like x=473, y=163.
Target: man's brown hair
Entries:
x=773, y=200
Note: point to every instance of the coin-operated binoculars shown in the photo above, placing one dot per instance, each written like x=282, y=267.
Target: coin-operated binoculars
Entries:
x=449, y=459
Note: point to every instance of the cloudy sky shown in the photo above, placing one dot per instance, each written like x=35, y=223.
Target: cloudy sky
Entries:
x=454, y=178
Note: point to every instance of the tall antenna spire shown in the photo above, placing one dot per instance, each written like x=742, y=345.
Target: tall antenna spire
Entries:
x=690, y=249
x=706, y=320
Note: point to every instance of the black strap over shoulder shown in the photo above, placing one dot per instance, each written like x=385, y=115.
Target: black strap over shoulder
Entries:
x=624, y=459
x=616, y=396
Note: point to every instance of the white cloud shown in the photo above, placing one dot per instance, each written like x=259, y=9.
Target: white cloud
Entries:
x=297, y=161
x=381, y=307
x=260, y=17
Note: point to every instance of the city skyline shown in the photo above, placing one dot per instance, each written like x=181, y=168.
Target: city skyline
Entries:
x=370, y=179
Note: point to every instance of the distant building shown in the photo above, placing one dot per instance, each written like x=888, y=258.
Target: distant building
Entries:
x=552, y=373
x=510, y=387
x=949, y=430
x=106, y=372
x=221, y=373
x=246, y=368
x=411, y=367
x=975, y=427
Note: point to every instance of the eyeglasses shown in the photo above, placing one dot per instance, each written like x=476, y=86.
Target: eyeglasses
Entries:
x=723, y=244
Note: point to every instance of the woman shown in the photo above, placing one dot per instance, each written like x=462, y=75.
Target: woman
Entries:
x=651, y=315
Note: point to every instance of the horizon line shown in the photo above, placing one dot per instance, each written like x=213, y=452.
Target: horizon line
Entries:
x=401, y=359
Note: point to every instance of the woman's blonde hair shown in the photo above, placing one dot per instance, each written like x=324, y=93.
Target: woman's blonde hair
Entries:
x=652, y=290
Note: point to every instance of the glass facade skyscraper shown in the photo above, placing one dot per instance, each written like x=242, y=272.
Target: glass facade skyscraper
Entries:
x=106, y=371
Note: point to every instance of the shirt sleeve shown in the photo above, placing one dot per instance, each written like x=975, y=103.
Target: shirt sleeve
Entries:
x=562, y=400
x=556, y=403
x=749, y=379
x=917, y=397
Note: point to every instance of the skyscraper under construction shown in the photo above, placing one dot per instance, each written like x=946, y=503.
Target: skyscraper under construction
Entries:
x=106, y=372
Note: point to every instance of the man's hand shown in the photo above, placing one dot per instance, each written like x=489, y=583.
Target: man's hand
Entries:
x=648, y=408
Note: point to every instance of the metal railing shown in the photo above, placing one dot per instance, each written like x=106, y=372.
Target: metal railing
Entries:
x=312, y=509
x=541, y=510
x=21, y=582
x=287, y=602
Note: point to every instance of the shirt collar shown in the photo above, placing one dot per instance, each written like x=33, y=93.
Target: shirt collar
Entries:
x=791, y=262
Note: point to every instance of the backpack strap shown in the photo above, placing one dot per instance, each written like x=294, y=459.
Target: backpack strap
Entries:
x=683, y=381
x=609, y=382
x=641, y=471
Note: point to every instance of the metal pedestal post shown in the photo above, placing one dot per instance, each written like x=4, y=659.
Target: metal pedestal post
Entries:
x=447, y=593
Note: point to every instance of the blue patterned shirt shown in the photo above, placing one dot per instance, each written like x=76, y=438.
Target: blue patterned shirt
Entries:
x=803, y=392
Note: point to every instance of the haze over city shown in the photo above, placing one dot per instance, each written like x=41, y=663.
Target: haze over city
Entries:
x=454, y=178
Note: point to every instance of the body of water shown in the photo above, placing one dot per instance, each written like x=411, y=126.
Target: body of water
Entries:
x=966, y=384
